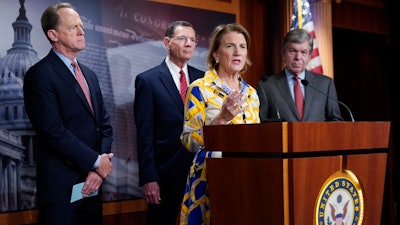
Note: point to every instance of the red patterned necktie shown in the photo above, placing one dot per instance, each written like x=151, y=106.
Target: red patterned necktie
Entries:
x=183, y=84
x=82, y=82
x=298, y=96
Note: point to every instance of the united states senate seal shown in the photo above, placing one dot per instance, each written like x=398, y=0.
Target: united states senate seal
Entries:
x=340, y=200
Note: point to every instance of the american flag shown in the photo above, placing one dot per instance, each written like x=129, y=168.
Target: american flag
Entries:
x=302, y=19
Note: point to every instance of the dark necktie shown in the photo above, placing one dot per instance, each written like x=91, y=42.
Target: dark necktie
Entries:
x=82, y=82
x=183, y=84
x=298, y=96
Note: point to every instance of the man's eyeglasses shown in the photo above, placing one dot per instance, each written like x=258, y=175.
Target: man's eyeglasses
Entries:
x=185, y=39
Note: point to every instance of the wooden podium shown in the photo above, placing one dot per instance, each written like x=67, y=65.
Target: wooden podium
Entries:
x=272, y=173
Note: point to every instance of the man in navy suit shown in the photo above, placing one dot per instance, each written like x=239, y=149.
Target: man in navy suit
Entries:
x=276, y=92
x=74, y=133
x=158, y=109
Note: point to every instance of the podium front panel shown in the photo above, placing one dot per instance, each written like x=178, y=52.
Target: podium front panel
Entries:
x=272, y=191
x=273, y=173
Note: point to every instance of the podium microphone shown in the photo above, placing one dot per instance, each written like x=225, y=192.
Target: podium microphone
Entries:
x=278, y=115
x=307, y=83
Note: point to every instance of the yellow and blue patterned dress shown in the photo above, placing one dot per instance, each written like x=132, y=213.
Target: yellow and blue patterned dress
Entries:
x=203, y=103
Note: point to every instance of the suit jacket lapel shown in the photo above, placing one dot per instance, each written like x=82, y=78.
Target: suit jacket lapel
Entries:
x=169, y=84
x=308, y=97
x=62, y=70
x=191, y=72
x=284, y=89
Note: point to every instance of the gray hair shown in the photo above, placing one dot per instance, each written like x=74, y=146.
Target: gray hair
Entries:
x=171, y=28
x=298, y=36
x=50, y=18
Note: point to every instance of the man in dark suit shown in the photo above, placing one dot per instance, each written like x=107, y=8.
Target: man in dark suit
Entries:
x=158, y=109
x=74, y=133
x=277, y=94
